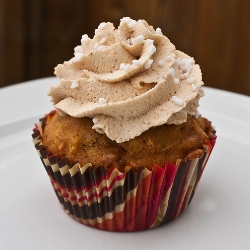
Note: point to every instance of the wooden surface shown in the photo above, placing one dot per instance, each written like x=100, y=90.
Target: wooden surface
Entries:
x=37, y=35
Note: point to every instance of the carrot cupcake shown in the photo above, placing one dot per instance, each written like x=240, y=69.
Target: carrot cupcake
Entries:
x=125, y=147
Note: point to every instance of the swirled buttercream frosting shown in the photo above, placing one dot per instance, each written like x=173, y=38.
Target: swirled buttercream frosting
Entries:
x=127, y=80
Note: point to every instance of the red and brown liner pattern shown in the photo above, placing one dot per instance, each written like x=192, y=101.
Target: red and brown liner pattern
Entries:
x=129, y=201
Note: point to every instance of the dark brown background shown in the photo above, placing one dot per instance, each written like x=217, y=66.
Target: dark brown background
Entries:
x=36, y=35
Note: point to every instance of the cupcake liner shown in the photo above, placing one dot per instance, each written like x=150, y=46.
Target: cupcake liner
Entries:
x=116, y=201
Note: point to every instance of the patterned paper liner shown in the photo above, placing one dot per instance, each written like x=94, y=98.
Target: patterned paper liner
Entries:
x=129, y=201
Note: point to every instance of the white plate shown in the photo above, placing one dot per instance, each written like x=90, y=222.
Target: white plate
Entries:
x=31, y=217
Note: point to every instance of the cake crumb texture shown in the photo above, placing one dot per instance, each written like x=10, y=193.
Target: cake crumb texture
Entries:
x=74, y=138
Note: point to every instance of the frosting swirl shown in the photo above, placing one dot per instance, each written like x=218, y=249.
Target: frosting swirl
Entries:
x=128, y=80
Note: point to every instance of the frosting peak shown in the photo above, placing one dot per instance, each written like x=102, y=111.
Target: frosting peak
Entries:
x=128, y=80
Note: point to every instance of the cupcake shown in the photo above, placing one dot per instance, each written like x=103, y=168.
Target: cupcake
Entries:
x=125, y=147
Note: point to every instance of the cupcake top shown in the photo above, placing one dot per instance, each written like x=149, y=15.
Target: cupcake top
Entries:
x=128, y=80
